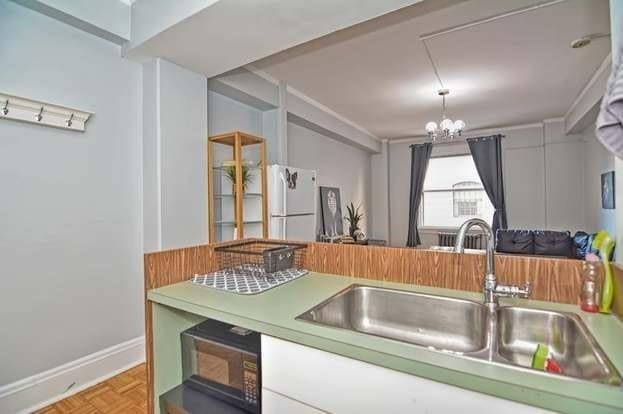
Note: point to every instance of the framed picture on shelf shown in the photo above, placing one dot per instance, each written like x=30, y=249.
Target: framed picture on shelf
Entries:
x=607, y=190
x=331, y=206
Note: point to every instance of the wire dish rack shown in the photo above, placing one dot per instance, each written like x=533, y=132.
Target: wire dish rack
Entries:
x=254, y=266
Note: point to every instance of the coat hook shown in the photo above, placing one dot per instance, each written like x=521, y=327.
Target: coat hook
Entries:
x=39, y=117
x=5, y=110
x=68, y=122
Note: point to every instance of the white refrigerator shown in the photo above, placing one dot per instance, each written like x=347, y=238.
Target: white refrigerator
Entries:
x=292, y=203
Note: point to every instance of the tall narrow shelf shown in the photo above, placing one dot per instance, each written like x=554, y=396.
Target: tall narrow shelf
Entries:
x=238, y=200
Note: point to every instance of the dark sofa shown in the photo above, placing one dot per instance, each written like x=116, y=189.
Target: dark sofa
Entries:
x=544, y=243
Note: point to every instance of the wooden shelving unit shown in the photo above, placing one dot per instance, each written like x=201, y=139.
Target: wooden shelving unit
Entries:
x=237, y=141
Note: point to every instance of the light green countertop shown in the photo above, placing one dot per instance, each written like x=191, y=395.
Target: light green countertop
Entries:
x=273, y=313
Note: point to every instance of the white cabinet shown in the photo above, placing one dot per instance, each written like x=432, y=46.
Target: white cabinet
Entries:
x=340, y=385
x=273, y=403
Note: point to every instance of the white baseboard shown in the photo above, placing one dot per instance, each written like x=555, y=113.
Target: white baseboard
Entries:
x=35, y=392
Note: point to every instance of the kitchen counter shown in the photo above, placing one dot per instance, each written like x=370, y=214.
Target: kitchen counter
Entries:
x=273, y=313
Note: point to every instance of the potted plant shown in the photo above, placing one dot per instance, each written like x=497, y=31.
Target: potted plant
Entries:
x=354, y=218
x=247, y=177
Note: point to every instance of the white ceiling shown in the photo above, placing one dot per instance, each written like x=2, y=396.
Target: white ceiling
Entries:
x=215, y=36
x=512, y=71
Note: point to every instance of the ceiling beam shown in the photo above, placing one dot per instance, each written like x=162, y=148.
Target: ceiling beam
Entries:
x=264, y=92
x=584, y=109
x=109, y=20
x=306, y=112
x=152, y=17
x=234, y=33
x=247, y=87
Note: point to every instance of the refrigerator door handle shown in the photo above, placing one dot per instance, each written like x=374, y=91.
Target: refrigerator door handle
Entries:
x=284, y=193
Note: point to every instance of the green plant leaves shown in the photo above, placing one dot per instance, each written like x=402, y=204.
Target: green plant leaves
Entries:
x=247, y=176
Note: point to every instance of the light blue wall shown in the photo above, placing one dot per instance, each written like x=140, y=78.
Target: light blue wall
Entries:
x=174, y=156
x=597, y=160
x=151, y=185
x=269, y=132
x=226, y=115
x=70, y=210
x=337, y=165
x=183, y=156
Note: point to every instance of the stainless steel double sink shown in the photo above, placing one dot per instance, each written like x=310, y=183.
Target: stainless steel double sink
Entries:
x=504, y=335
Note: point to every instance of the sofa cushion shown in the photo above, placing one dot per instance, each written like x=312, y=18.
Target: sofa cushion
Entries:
x=553, y=243
x=514, y=241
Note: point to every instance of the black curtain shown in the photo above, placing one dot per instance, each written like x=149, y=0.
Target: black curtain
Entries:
x=420, y=155
x=487, y=154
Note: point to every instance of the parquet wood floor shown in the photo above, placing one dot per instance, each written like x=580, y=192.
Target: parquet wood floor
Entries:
x=124, y=393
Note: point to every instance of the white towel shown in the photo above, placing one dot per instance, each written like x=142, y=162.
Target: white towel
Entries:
x=610, y=118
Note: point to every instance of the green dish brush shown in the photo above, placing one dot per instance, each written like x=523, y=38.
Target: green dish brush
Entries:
x=605, y=244
x=542, y=361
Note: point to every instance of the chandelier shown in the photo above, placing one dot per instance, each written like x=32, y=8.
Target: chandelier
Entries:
x=447, y=129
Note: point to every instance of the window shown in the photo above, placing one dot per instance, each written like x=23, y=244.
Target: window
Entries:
x=467, y=199
x=453, y=193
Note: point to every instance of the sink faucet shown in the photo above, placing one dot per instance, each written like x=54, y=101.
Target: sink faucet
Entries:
x=491, y=288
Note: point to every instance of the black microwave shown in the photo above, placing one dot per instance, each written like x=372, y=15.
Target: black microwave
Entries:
x=223, y=361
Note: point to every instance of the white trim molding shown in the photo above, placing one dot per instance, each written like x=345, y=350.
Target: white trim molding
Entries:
x=39, y=390
x=262, y=74
x=37, y=112
x=329, y=111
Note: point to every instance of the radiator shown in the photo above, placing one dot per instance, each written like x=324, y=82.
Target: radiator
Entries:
x=472, y=241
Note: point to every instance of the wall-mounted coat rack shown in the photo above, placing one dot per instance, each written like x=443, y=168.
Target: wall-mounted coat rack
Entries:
x=42, y=113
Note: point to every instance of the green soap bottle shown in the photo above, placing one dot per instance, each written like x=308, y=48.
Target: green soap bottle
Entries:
x=605, y=244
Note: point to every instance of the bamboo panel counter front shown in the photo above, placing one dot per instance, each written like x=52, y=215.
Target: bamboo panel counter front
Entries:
x=554, y=280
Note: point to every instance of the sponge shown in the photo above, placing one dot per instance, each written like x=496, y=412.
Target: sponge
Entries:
x=539, y=359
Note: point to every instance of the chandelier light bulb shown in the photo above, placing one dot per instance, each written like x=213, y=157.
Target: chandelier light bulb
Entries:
x=447, y=125
x=431, y=127
x=459, y=125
